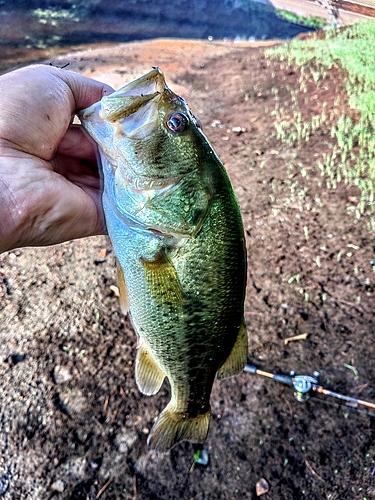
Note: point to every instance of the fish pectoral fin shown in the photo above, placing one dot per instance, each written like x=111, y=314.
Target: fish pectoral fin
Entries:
x=162, y=280
x=148, y=375
x=172, y=427
x=236, y=360
x=124, y=299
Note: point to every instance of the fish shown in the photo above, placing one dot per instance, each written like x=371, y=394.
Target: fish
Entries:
x=176, y=229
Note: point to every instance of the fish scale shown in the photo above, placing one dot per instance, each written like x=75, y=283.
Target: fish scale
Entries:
x=177, y=232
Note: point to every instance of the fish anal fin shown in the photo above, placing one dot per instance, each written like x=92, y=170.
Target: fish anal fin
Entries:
x=148, y=375
x=162, y=280
x=124, y=299
x=236, y=360
x=173, y=427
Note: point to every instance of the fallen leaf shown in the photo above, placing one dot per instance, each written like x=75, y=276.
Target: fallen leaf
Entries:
x=262, y=487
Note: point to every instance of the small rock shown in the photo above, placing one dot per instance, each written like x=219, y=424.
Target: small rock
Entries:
x=151, y=458
x=73, y=403
x=115, y=290
x=238, y=130
x=262, y=487
x=61, y=374
x=125, y=441
x=58, y=486
x=4, y=484
x=77, y=467
x=216, y=123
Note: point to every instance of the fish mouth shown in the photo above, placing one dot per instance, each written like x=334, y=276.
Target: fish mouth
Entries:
x=131, y=111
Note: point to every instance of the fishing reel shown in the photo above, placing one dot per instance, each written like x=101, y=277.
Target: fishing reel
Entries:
x=305, y=385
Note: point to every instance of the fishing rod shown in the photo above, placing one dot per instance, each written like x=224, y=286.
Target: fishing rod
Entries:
x=305, y=385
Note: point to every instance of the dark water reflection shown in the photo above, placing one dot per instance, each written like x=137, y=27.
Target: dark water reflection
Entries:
x=39, y=24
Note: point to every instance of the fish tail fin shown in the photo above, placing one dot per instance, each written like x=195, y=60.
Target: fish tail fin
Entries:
x=172, y=427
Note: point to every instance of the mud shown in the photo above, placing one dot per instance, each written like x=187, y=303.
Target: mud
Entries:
x=72, y=422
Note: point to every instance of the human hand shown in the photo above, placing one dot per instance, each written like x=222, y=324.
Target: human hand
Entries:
x=49, y=180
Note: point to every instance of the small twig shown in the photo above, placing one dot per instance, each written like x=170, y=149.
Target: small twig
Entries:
x=288, y=405
x=302, y=336
x=122, y=393
x=114, y=415
x=359, y=388
x=105, y=406
x=313, y=472
x=100, y=492
x=135, y=486
x=197, y=496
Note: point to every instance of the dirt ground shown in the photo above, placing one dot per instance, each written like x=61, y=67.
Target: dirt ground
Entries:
x=72, y=422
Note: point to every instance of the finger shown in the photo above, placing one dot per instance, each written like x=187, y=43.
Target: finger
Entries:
x=78, y=144
x=85, y=90
x=37, y=104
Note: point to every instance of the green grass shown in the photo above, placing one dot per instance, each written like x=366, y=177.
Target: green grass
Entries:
x=314, y=22
x=352, y=152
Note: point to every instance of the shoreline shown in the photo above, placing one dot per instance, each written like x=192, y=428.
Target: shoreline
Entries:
x=60, y=56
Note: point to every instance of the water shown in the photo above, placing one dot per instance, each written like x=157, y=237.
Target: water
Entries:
x=33, y=24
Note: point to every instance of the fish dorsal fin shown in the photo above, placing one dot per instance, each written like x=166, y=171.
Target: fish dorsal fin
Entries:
x=148, y=375
x=236, y=360
x=124, y=299
x=162, y=280
x=172, y=427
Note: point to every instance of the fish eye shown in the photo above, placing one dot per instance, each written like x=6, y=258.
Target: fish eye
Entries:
x=177, y=122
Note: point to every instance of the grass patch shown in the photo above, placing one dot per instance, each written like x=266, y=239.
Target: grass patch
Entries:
x=313, y=22
x=348, y=51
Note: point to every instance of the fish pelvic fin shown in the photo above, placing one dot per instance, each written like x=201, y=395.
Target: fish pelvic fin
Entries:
x=124, y=299
x=162, y=280
x=148, y=375
x=172, y=427
x=236, y=360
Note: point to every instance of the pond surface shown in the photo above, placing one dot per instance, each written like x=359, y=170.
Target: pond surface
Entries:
x=41, y=24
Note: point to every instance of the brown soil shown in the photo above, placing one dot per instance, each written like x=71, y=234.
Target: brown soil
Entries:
x=72, y=422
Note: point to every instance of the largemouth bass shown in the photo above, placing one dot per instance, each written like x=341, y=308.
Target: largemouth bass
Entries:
x=176, y=229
